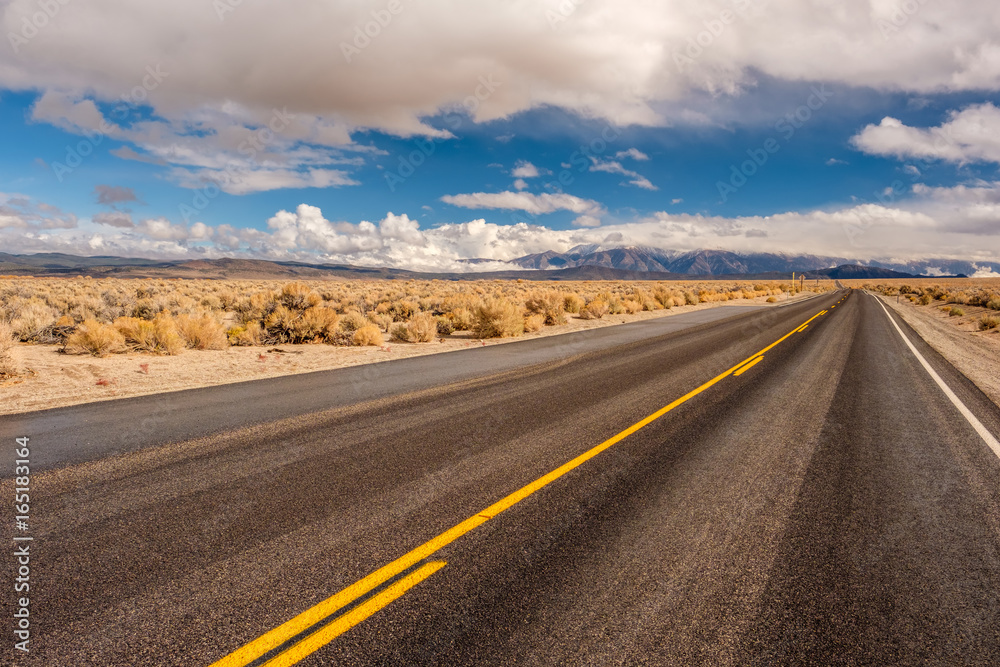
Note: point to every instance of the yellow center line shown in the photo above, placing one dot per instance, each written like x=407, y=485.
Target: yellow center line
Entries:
x=279, y=635
x=321, y=638
x=744, y=369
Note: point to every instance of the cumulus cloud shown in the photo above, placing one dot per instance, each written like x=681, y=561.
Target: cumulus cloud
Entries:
x=24, y=213
x=942, y=222
x=110, y=195
x=114, y=219
x=628, y=61
x=969, y=135
x=524, y=169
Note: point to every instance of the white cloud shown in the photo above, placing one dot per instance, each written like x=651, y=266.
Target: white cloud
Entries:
x=525, y=201
x=613, y=167
x=929, y=222
x=610, y=59
x=632, y=153
x=524, y=169
x=969, y=135
x=520, y=184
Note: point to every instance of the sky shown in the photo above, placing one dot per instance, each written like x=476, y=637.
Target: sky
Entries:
x=421, y=134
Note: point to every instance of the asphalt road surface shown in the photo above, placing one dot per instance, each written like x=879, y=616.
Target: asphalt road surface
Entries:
x=676, y=499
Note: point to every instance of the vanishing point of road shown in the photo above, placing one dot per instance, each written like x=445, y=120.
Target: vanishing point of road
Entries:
x=807, y=484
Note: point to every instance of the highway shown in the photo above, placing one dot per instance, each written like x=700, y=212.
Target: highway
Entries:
x=782, y=486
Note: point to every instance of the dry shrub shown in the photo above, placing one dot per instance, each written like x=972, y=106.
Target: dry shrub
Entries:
x=771, y=299
x=93, y=337
x=987, y=322
x=551, y=305
x=534, y=322
x=631, y=307
x=462, y=318
x=8, y=351
x=381, y=320
x=298, y=296
x=420, y=329
x=202, y=332
x=316, y=324
x=368, y=334
x=498, y=318
x=445, y=327
x=158, y=336
x=352, y=321
x=257, y=307
x=32, y=318
x=594, y=310
x=572, y=303
x=250, y=334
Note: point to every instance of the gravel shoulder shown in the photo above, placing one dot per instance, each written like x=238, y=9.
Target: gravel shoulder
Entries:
x=976, y=354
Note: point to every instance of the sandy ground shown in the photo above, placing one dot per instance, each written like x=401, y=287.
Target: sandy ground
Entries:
x=53, y=379
x=958, y=339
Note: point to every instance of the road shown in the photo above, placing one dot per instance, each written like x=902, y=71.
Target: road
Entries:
x=676, y=499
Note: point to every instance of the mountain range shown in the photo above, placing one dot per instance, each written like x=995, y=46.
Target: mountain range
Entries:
x=580, y=263
x=722, y=262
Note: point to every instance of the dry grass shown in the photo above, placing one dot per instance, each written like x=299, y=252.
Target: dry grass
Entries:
x=162, y=316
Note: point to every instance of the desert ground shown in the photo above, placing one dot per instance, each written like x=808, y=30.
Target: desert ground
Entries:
x=70, y=341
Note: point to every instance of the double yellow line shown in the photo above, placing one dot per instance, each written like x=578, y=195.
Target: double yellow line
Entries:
x=301, y=636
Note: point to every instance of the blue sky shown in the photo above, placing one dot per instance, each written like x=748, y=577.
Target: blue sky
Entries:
x=857, y=132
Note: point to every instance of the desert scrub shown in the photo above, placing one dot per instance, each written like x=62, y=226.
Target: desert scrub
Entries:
x=352, y=321
x=250, y=334
x=955, y=311
x=987, y=322
x=550, y=305
x=421, y=328
x=368, y=334
x=445, y=326
x=158, y=336
x=202, y=332
x=298, y=296
x=594, y=310
x=534, y=322
x=8, y=351
x=497, y=317
x=572, y=303
x=771, y=299
x=96, y=338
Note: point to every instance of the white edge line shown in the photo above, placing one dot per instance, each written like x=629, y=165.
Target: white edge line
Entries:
x=971, y=418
